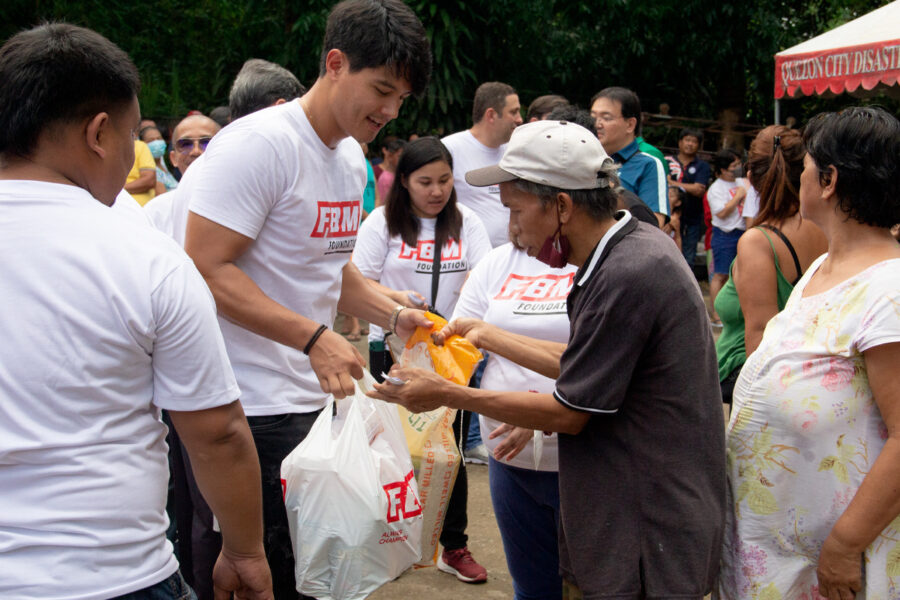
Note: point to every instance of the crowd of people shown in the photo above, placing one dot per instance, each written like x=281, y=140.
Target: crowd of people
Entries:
x=170, y=297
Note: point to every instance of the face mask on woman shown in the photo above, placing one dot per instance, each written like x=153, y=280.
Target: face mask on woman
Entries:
x=157, y=148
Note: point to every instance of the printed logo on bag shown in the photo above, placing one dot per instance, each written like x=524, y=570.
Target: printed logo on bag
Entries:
x=402, y=501
x=337, y=220
x=423, y=253
x=537, y=294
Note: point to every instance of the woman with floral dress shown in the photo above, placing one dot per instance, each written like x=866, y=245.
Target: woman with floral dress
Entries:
x=814, y=438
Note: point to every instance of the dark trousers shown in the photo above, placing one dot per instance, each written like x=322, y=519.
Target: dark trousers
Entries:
x=453, y=535
x=275, y=437
x=173, y=587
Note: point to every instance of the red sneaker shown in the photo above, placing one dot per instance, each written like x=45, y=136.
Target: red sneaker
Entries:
x=460, y=563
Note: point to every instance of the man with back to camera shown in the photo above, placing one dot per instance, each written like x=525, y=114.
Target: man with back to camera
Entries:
x=495, y=113
x=618, y=114
x=105, y=322
x=274, y=211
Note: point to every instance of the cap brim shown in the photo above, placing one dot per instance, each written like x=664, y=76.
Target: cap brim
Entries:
x=488, y=176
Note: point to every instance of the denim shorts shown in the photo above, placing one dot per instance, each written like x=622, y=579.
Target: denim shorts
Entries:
x=724, y=248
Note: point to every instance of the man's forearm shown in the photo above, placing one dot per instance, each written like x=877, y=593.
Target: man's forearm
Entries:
x=540, y=356
x=240, y=300
x=144, y=183
x=524, y=409
x=360, y=298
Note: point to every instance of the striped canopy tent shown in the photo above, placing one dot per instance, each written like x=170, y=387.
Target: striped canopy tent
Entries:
x=859, y=57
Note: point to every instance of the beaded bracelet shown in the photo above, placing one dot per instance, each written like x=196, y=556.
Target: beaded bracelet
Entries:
x=314, y=339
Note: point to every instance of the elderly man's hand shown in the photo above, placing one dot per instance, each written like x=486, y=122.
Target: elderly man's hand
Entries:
x=467, y=327
x=423, y=390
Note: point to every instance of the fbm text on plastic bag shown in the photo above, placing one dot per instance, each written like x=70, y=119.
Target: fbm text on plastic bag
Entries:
x=352, y=500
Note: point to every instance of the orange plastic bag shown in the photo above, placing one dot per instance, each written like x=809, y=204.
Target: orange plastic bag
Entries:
x=455, y=360
x=429, y=435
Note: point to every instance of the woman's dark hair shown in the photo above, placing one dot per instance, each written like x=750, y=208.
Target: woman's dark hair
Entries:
x=723, y=159
x=146, y=129
x=863, y=146
x=375, y=33
x=398, y=211
x=392, y=143
x=775, y=169
x=544, y=105
x=59, y=73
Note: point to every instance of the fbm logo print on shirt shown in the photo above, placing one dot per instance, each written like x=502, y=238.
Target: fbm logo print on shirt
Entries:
x=537, y=294
x=423, y=252
x=336, y=219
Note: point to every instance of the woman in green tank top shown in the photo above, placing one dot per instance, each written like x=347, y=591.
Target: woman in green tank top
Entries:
x=771, y=256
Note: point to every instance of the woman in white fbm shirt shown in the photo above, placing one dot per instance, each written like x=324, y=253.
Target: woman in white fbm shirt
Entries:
x=395, y=245
x=520, y=294
x=395, y=249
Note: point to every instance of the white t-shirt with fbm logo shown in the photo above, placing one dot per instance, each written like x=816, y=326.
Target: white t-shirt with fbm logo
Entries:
x=391, y=262
x=522, y=295
x=269, y=177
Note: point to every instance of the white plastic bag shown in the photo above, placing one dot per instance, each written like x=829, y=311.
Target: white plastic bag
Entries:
x=352, y=501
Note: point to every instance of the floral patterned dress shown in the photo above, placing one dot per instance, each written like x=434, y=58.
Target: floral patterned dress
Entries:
x=804, y=431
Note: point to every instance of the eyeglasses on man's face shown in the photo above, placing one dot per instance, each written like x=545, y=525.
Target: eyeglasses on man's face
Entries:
x=186, y=144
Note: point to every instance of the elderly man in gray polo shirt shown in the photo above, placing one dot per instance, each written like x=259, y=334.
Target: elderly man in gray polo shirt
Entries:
x=641, y=445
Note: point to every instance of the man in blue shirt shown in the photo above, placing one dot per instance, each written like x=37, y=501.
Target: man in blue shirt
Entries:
x=618, y=114
x=693, y=179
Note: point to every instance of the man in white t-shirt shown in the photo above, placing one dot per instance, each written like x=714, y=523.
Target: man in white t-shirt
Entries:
x=259, y=84
x=495, y=114
x=105, y=322
x=274, y=211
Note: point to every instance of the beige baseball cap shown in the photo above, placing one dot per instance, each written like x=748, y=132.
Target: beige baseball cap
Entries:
x=559, y=154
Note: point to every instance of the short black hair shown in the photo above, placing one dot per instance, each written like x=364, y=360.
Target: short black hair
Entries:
x=576, y=115
x=491, y=94
x=375, y=33
x=259, y=84
x=863, y=146
x=723, y=159
x=58, y=73
x=544, y=105
x=697, y=133
x=631, y=104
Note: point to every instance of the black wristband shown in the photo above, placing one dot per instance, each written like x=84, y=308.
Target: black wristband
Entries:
x=313, y=339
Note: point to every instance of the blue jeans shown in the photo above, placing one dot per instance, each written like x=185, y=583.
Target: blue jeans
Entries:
x=526, y=504
x=173, y=587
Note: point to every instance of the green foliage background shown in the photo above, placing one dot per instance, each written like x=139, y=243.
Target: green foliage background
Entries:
x=702, y=57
